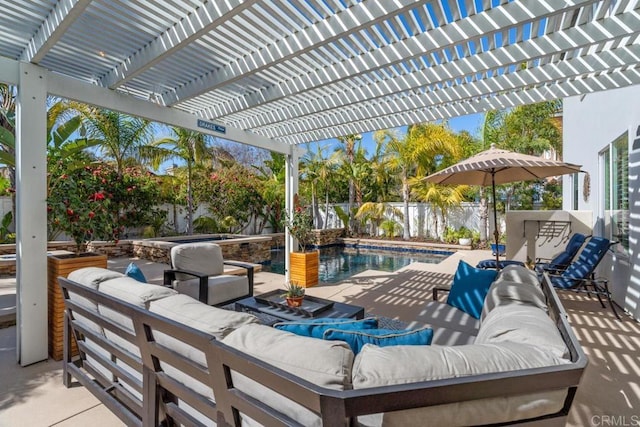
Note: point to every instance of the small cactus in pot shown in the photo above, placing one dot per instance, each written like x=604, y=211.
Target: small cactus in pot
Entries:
x=294, y=294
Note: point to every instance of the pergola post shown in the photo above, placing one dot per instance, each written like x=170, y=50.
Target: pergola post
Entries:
x=31, y=214
x=291, y=188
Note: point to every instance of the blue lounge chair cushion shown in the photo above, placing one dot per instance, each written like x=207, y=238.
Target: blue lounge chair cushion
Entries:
x=469, y=288
x=134, y=272
x=564, y=258
x=585, y=265
x=315, y=328
x=379, y=337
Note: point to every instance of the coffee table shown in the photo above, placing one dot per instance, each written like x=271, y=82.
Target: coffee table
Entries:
x=337, y=310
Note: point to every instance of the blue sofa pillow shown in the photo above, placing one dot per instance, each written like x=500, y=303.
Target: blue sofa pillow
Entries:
x=469, y=289
x=316, y=327
x=380, y=337
x=134, y=272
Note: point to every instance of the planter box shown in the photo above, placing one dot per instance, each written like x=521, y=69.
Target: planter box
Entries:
x=304, y=268
x=62, y=265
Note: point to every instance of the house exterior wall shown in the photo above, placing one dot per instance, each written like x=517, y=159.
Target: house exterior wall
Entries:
x=590, y=124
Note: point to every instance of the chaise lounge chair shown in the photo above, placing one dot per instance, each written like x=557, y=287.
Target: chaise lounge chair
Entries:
x=555, y=265
x=579, y=276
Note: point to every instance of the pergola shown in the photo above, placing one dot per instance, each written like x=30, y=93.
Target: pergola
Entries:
x=277, y=73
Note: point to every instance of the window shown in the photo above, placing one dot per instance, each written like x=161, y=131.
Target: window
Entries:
x=614, y=166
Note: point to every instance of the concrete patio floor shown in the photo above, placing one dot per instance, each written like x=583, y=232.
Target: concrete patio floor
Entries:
x=35, y=396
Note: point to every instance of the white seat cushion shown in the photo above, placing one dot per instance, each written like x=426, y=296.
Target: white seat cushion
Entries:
x=203, y=257
x=324, y=363
x=525, y=325
x=221, y=288
x=443, y=316
x=504, y=292
x=380, y=366
x=519, y=274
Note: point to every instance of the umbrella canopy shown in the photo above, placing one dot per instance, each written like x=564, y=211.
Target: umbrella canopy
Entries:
x=498, y=166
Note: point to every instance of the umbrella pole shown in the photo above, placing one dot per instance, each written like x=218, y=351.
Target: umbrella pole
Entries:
x=496, y=233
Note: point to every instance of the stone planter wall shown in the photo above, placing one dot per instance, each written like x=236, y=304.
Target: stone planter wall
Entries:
x=248, y=249
x=327, y=237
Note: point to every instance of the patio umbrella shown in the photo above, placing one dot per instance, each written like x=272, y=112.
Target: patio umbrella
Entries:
x=498, y=166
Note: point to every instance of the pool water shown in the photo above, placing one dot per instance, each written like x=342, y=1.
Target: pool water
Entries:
x=336, y=264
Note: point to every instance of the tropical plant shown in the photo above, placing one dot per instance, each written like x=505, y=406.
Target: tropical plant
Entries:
x=376, y=213
x=390, y=228
x=350, y=146
x=186, y=145
x=441, y=197
x=419, y=152
x=272, y=177
x=6, y=236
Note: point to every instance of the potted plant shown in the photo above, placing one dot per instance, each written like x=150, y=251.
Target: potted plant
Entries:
x=464, y=236
x=294, y=294
x=303, y=263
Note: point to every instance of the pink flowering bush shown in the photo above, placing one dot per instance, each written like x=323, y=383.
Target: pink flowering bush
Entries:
x=97, y=203
x=300, y=225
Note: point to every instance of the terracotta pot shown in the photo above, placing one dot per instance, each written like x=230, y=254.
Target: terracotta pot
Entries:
x=294, y=301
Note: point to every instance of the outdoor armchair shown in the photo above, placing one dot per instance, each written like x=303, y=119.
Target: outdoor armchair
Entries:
x=579, y=276
x=198, y=271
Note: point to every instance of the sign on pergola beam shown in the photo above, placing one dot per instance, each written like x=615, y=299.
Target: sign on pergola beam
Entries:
x=359, y=16
x=487, y=23
x=516, y=81
x=200, y=21
x=612, y=80
x=613, y=28
x=53, y=28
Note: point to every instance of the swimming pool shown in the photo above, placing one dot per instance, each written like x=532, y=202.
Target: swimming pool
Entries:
x=337, y=264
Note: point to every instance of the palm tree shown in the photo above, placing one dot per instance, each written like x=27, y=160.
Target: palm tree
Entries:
x=121, y=136
x=349, y=142
x=187, y=145
x=417, y=154
x=441, y=197
x=377, y=213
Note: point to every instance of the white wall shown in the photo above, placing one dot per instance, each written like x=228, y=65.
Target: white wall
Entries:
x=590, y=124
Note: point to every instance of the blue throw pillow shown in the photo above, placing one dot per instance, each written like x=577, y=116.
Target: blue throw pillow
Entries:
x=380, y=337
x=134, y=272
x=469, y=289
x=316, y=327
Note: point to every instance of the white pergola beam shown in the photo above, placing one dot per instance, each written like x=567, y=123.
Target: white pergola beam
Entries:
x=95, y=95
x=612, y=80
x=613, y=28
x=434, y=40
x=522, y=79
x=359, y=16
x=199, y=22
x=63, y=15
x=9, y=71
x=31, y=218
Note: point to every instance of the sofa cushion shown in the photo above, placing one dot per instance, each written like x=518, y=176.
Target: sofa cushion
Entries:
x=469, y=288
x=450, y=325
x=525, y=325
x=316, y=328
x=222, y=288
x=93, y=276
x=380, y=337
x=191, y=312
x=519, y=274
x=504, y=292
x=201, y=257
x=324, y=363
x=380, y=366
x=134, y=272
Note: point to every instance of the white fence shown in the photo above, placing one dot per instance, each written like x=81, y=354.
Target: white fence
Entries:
x=420, y=217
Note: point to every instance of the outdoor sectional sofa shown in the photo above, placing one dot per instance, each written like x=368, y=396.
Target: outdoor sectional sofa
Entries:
x=152, y=355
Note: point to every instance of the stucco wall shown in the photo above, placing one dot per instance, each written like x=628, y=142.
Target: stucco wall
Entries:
x=590, y=124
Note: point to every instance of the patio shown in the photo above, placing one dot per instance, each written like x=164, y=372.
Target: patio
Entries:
x=610, y=387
